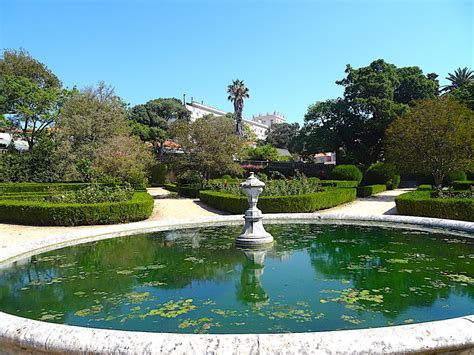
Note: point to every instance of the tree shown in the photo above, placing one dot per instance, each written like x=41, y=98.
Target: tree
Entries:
x=436, y=137
x=464, y=94
x=265, y=152
x=30, y=93
x=355, y=125
x=238, y=92
x=151, y=121
x=460, y=77
x=209, y=144
x=282, y=135
x=92, y=125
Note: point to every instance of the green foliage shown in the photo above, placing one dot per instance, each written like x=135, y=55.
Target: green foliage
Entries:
x=38, y=164
x=424, y=187
x=464, y=94
x=460, y=78
x=383, y=174
x=29, y=92
x=457, y=175
x=298, y=185
x=265, y=152
x=158, y=173
x=282, y=135
x=93, y=193
x=279, y=204
x=463, y=185
x=209, y=146
x=32, y=187
x=34, y=212
x=152, y=121
x=355, y=125
x=434, y=138
x=420, y=203
x=369, y=190
x=238, y=92
x=339, y=183
x=347, y=172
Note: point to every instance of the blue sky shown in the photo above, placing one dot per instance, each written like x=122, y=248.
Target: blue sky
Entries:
x=289, y=53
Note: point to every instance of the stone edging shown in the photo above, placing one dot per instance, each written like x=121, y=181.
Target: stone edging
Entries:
x=24, y=335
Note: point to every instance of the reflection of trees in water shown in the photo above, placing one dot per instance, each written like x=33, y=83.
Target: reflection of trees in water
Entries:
x=106, y=270
x=366, y=262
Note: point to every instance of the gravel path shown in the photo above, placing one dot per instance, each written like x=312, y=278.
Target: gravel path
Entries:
x=168, y=206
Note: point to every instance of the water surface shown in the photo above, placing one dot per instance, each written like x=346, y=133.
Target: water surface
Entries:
x=316, y=277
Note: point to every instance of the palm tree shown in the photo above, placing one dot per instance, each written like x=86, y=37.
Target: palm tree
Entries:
x=460, y=77
x=237, y=93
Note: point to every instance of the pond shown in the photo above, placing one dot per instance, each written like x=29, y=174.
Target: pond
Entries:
x=316, y=277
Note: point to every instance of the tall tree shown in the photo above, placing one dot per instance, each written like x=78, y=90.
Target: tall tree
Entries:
x=238, y=92
x=151, y=121
x=355, y=125
x=202, y=143
x=436, y=137
x=30, y=93
x=282, y=135
x=460, y=77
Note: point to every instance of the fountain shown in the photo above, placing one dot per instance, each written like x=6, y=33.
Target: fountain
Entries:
x=253, y=233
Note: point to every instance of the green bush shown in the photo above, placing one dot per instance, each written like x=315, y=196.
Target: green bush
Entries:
x=40, y=187
x=419, y=203
x=379, y=174
x=171, y=187
x=393, y=183
x=458, y=175
x=280, y=204
x=347, y=172
x=339, y=183
x=158, y=175
x=226, y=177
x=34, y=212
x=463, y=185
x=425, y=187
x=365, y=191
x=191, y=191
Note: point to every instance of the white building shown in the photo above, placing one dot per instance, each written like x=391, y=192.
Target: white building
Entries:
x=6, y=140
x=260, y=124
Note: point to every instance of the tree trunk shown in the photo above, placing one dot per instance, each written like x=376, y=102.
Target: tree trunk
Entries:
x=438, y=178
x=238, y=108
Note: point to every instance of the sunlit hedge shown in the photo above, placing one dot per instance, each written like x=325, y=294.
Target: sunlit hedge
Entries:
x=420, y=203
x=280, y=204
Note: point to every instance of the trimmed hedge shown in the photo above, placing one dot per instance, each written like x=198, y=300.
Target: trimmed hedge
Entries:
x=280, y=204
x=425, y=187
x=184, y=190
x=453, y=176
x=365, y=191
x=419, y=203
x=339, y=183
x=58, y=214
x=463, y=185
x=347, y=172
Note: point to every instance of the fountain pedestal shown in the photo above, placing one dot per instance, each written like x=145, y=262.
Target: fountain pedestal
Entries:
x=253, y=233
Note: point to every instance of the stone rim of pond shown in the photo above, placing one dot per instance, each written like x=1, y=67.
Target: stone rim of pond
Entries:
x=22, y=334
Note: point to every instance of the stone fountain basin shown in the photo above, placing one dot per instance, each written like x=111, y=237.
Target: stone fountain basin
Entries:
x=23, y=335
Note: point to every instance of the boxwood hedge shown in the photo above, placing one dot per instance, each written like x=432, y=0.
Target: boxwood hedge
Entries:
x=339, y=183
x=280, y=204
x=190, y=191
x=419, y=203
x=36, y=212
x=40, y=186
x=463, y=185
x=369, y=190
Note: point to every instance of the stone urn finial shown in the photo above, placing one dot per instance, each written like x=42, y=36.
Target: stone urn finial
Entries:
x=253, y=233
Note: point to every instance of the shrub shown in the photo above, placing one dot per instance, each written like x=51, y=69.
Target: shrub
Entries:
x=158, y=174
x=191, y=191
x=457, y=175
x=369, y=190
x=279, y=204
x=22, y=187
x=347, y=172
x=382, y=174
x=463, y=185
x=425, y=187
x=226, y=177
x=32, y=212
x=393, y=183
x=339, y=183
x=93, y=193
x=419, y=203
